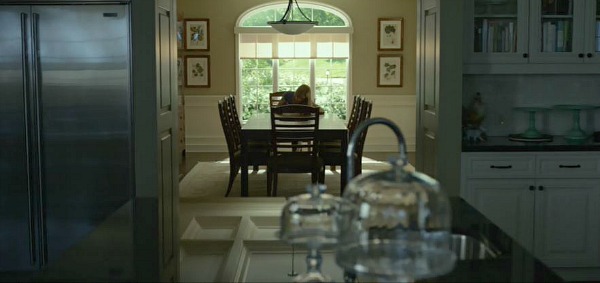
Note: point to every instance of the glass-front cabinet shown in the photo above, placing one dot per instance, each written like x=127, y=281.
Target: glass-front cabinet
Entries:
x=532, y=31
x=497, y=31
x=563, y=31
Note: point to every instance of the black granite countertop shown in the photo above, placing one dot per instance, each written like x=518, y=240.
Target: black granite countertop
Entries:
x=108, y=253
x=558, y=143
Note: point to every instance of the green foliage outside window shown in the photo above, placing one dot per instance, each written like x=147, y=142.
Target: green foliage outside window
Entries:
x=257, y=74
x=330, y=83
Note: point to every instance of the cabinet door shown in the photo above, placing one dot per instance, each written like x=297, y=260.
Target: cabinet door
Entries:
x=592, y=31
x=557, y=31
x=567, y=222
x=507, y=203
x=496, y=31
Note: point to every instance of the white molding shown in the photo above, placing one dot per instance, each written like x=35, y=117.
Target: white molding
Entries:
x=206, y=135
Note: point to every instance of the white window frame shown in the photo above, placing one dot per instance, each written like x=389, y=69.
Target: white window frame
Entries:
x=347, y=29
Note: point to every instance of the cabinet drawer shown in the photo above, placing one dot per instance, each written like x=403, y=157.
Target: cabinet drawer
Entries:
x=506, y=166
x=569, y=166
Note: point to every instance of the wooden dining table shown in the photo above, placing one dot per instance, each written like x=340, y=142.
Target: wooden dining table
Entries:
x=258, y=129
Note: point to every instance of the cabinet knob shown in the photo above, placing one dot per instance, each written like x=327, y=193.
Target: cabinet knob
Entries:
x=541, y=188
x=531, y=188
x=580, y=55
x=590, y=55
x=525, y=55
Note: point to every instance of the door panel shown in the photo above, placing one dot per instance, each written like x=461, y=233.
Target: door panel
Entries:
x=429, y=94
x=567, y=227
x=16, y=222
x=507, y=203
x=84, y=113
x=169, y=159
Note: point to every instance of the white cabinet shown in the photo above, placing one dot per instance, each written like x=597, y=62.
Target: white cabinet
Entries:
x=561, y=31
x=567, y=217
x=508, y=36
x=548, y=201
x=496, y=31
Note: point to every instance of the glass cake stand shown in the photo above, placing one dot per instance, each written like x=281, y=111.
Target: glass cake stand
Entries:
x=576, y=134
x=531, y=134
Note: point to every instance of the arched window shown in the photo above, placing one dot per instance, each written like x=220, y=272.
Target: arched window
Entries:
x=269, y=61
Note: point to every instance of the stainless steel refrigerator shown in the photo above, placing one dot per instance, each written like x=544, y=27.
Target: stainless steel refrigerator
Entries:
x=65, y=125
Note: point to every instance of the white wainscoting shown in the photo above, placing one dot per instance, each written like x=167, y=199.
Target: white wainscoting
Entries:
x=204, y=133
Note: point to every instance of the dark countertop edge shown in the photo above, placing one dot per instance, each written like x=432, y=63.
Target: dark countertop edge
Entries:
x=502, y=143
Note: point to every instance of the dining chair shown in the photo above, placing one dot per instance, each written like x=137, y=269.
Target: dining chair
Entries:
x=275, y=97
x=294, y=143
x=233, y=147
x=365, y=113
x=331, y=151
x=257, y=153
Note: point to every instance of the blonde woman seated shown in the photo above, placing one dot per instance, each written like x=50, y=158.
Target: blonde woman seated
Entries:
x=300, y=96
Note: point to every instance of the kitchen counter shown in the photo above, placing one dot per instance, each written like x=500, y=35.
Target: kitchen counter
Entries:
x=91, y=260
x=558, y=143
x=260, y=256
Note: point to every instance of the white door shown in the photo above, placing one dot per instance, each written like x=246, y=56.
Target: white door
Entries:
x=429, y=89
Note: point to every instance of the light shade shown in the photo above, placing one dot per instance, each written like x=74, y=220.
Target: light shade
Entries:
x=292, y=27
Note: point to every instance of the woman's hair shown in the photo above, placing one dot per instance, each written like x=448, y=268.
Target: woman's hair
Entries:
x=302, y=95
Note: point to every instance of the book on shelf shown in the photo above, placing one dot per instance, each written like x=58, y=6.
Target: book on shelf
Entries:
x=496, y=35
x=597, y=36
x=560, y=36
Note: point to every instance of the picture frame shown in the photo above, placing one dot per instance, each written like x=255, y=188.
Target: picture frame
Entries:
x=197, y=71
x=180, y=71
x=197, y=34
x=180, y=34
x=390, y=34
x=389, y=70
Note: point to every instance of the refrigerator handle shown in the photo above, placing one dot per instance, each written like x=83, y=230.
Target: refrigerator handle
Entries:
x=37, y=96
x=25, y=73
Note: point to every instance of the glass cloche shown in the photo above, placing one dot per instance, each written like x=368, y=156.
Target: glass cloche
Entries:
x=394, y=225
x=310, y=220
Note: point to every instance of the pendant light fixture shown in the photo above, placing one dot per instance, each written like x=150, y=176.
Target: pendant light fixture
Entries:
x=292, y=27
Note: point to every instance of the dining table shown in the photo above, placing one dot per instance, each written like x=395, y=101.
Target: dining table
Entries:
x=258, y=129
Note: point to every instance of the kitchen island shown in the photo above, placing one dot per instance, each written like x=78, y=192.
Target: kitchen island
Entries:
x=234, y=240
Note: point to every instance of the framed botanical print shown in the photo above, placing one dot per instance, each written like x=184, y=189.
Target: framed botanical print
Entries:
x=180, y=34
x=197, y=34
x=197, y=71
x=390, y=34
x=389, y=70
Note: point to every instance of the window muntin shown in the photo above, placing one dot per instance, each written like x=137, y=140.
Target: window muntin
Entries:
x=319, y=58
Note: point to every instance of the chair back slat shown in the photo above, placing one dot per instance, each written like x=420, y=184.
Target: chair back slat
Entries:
x=353, y=121
x=234, y=120
x=365, y=113
x=294, y=129
x=228, y=129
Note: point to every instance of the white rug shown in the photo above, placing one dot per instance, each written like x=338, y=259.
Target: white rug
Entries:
x=209, y=179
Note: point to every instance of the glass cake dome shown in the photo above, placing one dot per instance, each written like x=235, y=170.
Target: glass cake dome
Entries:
x=394, y=225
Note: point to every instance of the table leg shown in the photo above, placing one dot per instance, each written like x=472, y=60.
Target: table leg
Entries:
x=244, y=168
x=344, y=174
